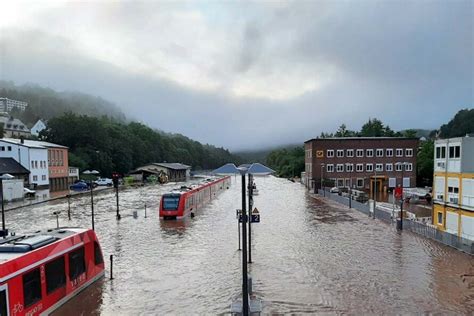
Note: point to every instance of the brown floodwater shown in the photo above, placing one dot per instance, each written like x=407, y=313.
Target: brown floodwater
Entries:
x=310, y=256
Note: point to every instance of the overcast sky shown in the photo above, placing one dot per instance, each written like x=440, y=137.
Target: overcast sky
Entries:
x=250, y=74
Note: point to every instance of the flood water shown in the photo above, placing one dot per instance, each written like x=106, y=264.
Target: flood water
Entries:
x=310, y=256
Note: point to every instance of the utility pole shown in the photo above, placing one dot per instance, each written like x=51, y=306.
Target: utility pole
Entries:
x=245, y=294
x=250, y=186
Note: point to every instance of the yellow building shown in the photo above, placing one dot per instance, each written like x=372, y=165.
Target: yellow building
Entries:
x=453, y=186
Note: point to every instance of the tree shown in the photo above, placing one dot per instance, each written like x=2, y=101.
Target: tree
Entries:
x=373, y=128
x=425, y=164
x=460, y=125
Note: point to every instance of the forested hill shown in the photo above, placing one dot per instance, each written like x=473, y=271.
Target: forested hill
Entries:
x=108, y=145
x=45, y=103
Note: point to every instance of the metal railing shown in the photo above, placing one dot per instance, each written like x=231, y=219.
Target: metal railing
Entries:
x=457, y=242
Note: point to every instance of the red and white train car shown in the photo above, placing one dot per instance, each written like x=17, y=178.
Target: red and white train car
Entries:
x=42, y=271
x=185, y=200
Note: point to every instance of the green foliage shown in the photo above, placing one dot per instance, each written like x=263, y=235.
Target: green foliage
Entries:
x=287, y=162
x=108, y=145
x=344, y=132
x=425, y=164
x=375, y=128
x=460, y=125
x=2, y=131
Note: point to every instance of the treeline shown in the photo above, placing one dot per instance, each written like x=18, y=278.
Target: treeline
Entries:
x=44, y=103
x=287, y=162
x=108, y=145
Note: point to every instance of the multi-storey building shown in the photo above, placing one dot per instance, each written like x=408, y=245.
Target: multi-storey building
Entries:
x=361, y=162
x=453, y=186
x=58, y=165
x=30, y=155
x=13, y=127
x=6, y=105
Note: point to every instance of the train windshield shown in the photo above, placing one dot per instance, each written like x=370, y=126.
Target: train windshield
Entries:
x=170, y=202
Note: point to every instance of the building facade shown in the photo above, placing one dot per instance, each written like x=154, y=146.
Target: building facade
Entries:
x=58, y=166
x=360, y=162
x=31, y=156
x=453, y=186
x=6, y=105
x=38, y=127
x=13, y=127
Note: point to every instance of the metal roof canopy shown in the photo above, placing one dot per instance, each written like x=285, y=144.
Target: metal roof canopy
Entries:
x=254, y=169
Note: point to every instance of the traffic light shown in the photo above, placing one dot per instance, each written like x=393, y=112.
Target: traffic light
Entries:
x=115, y=179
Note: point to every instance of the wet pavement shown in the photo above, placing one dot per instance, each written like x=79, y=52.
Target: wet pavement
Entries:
x=310, y=256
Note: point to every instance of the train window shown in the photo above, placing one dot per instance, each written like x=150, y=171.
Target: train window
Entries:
x=98, y=259
x=170, y=202
x=77, y=265
x=32, y=287
x=3, y=302
x=55, y=275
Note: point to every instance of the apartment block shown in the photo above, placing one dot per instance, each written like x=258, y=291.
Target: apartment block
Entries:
x=453, y=186
x=361, y=162
x=6, y=105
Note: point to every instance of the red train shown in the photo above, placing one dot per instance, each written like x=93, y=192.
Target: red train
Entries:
x=186, y=200
x=42, y=271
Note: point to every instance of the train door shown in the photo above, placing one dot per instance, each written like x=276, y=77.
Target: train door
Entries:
x=4, y=308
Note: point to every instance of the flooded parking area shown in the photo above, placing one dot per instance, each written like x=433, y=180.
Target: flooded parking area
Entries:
x=310, y=256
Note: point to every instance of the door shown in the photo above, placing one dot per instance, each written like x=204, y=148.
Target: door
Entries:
x=4, y=310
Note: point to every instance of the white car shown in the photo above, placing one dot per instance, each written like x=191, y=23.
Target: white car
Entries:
x=334, y=190
x=104, y=181
x=28, y=192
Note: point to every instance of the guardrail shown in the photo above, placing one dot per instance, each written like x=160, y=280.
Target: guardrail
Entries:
x=457, y=242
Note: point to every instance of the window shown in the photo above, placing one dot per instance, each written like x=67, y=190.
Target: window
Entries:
x=350, y=153
x=31, y=287
x=360, y=153
x=55, y=274
x=369, y=167
x=440, y=218
x=77, y=265
x=340, y=153
x=170, y=202
x=330, y=168
x=398, y=167
x=454, y=190
x=388, y=167
x=43, y=177
x=98, y=258
x=454, y=151
x=340, y=167
x=35, y=178
x=3, y=148
x=360, y=183
x=369, y=153
x=440, y=152
x=360, y=167
x=32, y=164
x=409, y=152
x=3, y=302
x=379, y=152
x=379, y=167
x=349, y=167
x=340, y=183
x=348, y=183
x=399, y=152
x=409, y=167
x=9, y=148
x=389, y=152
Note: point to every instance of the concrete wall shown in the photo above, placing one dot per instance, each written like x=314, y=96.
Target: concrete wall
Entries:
x=13, y=189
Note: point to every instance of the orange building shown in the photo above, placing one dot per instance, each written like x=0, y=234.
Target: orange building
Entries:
x=58, y=166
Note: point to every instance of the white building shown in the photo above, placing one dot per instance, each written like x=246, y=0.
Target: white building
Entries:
x=32, y=156
x=13, y=127
x=38, y=127
x=6, y=105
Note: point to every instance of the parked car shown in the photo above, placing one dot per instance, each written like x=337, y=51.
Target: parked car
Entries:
x=79, y=186
x=334, y=190
x=28, y=192
x=104, y=181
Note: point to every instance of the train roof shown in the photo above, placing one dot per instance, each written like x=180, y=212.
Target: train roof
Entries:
x=183, y=189
x=18, y=245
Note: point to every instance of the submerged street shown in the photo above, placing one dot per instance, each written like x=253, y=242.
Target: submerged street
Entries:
x=310, y=256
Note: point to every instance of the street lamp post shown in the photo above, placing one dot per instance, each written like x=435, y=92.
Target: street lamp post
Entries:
x=93, y=172
x=350, y=183
x=322, y=179
x=402, y=164
x=250, y=186
x=245, y=294
x=5, y=176
x=375, y=190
